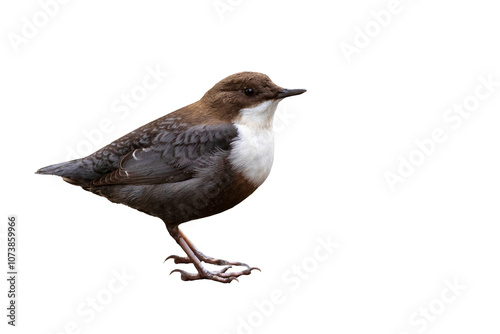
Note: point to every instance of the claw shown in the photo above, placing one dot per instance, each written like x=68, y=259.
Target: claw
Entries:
x=170, y=257
x=175, y=270
x=182, y=272
x=185, y=276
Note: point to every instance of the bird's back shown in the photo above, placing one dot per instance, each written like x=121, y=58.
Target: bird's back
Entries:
x=166, y=133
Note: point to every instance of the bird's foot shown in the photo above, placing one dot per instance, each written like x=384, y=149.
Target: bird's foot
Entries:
x=196, y=257
x=207, y=259
x=220, y=275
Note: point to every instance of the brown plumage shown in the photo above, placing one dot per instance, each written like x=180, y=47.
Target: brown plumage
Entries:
x=195, y=162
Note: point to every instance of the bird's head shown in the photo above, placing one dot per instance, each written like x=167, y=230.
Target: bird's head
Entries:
x=247, y=96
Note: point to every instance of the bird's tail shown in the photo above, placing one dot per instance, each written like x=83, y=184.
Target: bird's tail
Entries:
x=72, y=171
x=62, y=169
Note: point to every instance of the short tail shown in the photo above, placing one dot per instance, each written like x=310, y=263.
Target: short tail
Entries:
x=62, y=169
x=73, y=171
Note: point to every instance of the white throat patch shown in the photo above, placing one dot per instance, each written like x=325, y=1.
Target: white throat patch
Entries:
x=252, y=152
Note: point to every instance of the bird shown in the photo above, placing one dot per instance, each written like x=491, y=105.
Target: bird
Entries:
x=195, y=162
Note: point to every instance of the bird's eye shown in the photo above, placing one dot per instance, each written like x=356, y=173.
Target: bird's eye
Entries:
x=249, y=91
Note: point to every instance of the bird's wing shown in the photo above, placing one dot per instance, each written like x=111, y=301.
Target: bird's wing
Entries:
x=173, y=157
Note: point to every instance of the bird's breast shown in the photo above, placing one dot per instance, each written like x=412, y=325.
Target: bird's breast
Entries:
x=252, y=153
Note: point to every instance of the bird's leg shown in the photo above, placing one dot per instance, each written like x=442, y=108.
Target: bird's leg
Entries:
x=195, y=257
x=202, y=257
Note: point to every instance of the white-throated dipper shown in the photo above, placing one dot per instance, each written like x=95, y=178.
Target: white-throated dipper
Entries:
x=195, y=162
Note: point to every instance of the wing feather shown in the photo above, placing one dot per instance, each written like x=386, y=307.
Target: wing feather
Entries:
x=174, y=157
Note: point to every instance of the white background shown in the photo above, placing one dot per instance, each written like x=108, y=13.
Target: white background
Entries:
x=397, y=249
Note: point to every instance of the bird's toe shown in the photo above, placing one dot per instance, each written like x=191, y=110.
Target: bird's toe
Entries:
x=178, y=259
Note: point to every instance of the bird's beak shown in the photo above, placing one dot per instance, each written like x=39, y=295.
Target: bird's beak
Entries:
x=290, y=92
